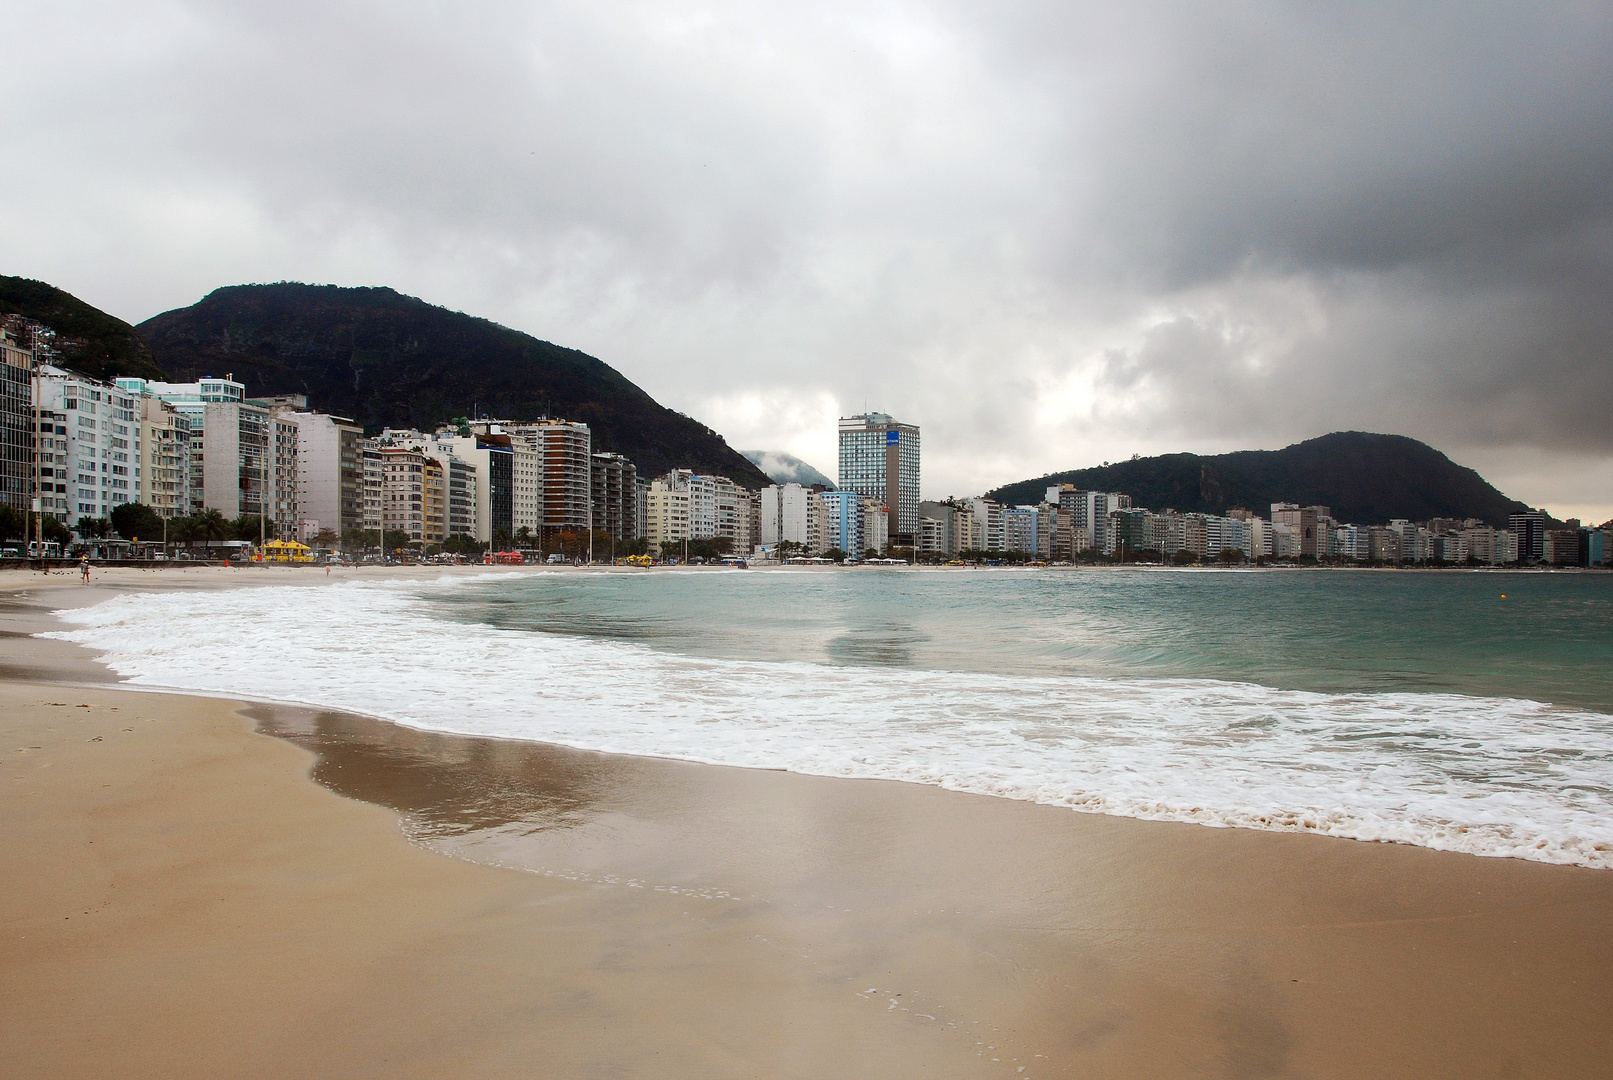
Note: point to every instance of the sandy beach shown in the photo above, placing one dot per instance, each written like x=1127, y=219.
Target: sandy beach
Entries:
x=199, y=887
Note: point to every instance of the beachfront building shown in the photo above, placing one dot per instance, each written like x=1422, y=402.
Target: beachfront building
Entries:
x=968, y=530
x=1351, y=542
x=374, y=487
x=1168, y=533
x=1311, y=526
x=613, y=491
x=17, y=420
x=853, y=523
x=1560, y=547
x=54, y=492
x=735, y=510
x=462, y=481
x=666, y=516
x=992, y=532
x=719, y=509
x=1416, y=542
x=99, y=467
x=1489, y=546
x=491, y=457
x=791, y=513
x=879, y=457
x=1029, y=529
x=1383, y=544
x=1529, y=535
x=563, y=475
x=937, y=533
x=164, y=458
x=330, y=470
x=1450, y=548
x=526, y=470
x=1133, y=531
x=243, y=459
x=1089, y=510
x=414, y=495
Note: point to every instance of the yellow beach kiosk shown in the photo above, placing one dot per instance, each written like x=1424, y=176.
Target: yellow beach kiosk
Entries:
x=284, y=551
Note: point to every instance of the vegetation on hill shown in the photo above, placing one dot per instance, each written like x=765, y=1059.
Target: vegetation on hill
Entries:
x=1365, y=478
x=87, y=339
x=382, y=358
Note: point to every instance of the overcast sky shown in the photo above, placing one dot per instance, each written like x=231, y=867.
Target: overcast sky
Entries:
x=1050, y=234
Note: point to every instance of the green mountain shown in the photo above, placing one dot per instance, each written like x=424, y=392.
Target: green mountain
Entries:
x=87, y=340
x=1364, y=478
x=383, y=358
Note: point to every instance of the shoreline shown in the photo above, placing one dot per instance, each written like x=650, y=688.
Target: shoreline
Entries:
x=1109, y=945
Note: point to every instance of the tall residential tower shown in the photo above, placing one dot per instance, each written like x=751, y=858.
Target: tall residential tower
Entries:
x=880, y=458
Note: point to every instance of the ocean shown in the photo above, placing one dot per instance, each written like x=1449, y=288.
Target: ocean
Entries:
x=1466, y=712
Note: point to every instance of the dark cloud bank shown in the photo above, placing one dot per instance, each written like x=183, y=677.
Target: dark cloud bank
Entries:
x=1052, y=234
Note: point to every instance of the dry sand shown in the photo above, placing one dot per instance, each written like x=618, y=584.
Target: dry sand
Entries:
x=180, y=900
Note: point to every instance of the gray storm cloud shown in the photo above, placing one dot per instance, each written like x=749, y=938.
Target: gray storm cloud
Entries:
x=1050, y=233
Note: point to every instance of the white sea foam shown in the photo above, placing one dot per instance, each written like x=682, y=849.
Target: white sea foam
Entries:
x=1488, y=776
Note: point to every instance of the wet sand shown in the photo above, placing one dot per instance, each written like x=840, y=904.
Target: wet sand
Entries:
x=180, y=900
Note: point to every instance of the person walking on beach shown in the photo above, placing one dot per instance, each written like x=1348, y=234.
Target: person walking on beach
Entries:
x=84, y=567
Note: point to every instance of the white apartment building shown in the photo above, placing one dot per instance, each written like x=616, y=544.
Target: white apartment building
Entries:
x=330, y=470
x=993, y=528
x=101, y=458
x=164, y=458
x=718, y=507
x=1491, y=547
x=791, y=512
x=666, y=514
x=243, y=460
x=968, y=531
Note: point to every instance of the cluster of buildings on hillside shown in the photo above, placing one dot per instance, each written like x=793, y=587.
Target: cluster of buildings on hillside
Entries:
x=86, y=446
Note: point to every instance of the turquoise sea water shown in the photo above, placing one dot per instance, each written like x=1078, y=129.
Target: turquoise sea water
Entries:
x=1541, y=636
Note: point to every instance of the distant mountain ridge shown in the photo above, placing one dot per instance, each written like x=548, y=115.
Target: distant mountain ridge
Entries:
x=88, y=340
x=782, y=468
x=382, y=358
x=1364, y=477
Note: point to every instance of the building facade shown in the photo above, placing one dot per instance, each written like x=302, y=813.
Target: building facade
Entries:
x=102, y=452
x=330, y=470
x=414, y=495
x=614, y=494
x=563, y=458
x=666, y=516
x=17, y=421
x=164, y=457
x=879, y=457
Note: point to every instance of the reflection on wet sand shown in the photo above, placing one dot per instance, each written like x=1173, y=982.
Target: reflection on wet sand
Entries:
x=1072, y=944
x=445, y=785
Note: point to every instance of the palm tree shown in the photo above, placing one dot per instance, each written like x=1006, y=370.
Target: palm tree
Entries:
x=210, y=525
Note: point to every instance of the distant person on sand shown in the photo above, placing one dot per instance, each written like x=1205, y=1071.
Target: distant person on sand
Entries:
x=84, y=567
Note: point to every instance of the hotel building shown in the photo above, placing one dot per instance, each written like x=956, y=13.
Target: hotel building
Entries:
x=879, y=457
